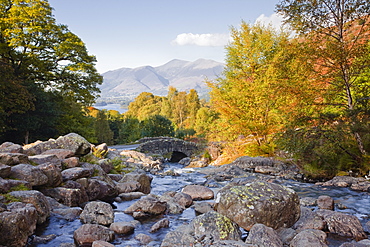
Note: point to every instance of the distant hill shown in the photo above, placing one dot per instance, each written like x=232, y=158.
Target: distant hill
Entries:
x=182, y=75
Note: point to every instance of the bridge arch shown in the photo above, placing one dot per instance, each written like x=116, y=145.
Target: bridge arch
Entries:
x=165, y=145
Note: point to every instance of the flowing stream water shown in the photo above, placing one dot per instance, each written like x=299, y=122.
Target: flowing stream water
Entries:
x=356, y=203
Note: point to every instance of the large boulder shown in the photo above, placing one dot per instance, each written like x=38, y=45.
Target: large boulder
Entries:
x=343, y=224
x=148, y=205
x=4, y=170
x=97, y=213
x=100, y=190
x=45, y=158
x=67, y=196
x=39, y=147
x=122, y=227
x=52, y=171
x=198, y=192
x=76, y=173
x=17, y=223
x=309, y=238
x=29, y=173
x=7, y=185
x=86, y=234
x=262, y=235
x=309, y=220
x=12, y=159
x=10, y=147
x=60, y=153
x=142, y=178
x=217, y=226
x=259, y=202
x=38, y=200
x=74, y=142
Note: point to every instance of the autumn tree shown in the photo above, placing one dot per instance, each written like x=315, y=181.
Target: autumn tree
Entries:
x=263, y=85
x=335, y=35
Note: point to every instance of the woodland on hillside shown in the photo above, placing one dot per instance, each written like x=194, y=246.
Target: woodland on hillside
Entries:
x=300, y=93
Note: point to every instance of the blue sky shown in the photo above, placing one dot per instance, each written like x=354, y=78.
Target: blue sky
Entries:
x=133, y=33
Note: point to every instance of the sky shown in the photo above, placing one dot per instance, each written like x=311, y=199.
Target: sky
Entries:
x=134, y=33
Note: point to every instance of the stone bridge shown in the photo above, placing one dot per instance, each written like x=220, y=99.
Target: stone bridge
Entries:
x=164, y=145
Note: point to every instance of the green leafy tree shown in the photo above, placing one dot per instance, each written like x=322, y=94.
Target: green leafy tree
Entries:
x=130, y=130
x=157, y=125
x=44, y=55
x=102, y=130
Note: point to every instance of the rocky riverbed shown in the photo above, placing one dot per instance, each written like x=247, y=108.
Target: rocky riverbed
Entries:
x=57, y=193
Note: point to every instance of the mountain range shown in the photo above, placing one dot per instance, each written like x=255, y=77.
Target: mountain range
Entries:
x=183, y=75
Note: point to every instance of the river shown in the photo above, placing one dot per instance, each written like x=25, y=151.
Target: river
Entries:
x=356, y=203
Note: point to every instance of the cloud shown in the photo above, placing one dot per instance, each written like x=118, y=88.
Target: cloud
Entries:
x=275, y=20
x=206, y=39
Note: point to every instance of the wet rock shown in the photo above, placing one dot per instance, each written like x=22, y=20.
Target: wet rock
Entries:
x=76, y=173
x=159, y=225
x=131, y=196
x=309, y=238
x=176, y=201
x=353, y=244
x=43, y=239
x=198, y=192
x=97, y=213
x=74, y=142
x=197, y=163
x=10, y=147
x=45, y=158
x=142, y=178
x=286, y=235
x=143, y=238
x=122, y=227
x=342, y=181
x=182, y=236
x=185, y=161
x=202, y=207
x=308, y=201
x=216, y=225
x=149, y=205
x=86, y=234
x=365, y=242
x=361, y=186
x=101, y=244
x=69, y=213
x=232, y=243
x=266, y=169
x=29, y=173
x=100, y=190
x=262, y=235
x=259, y=202
x=343, y=224
x=38, y=200
x=309, y=220
x=53, y=174
x=325, y=202
x=67, y=196
x=4, y=171
x=12, y=159
x=16, y=224
x=128, y=187
x=70, y=162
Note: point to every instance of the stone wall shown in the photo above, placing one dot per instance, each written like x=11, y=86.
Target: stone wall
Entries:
x=166, y=145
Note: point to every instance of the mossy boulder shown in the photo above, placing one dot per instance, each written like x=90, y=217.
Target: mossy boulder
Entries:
x=259, y=202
